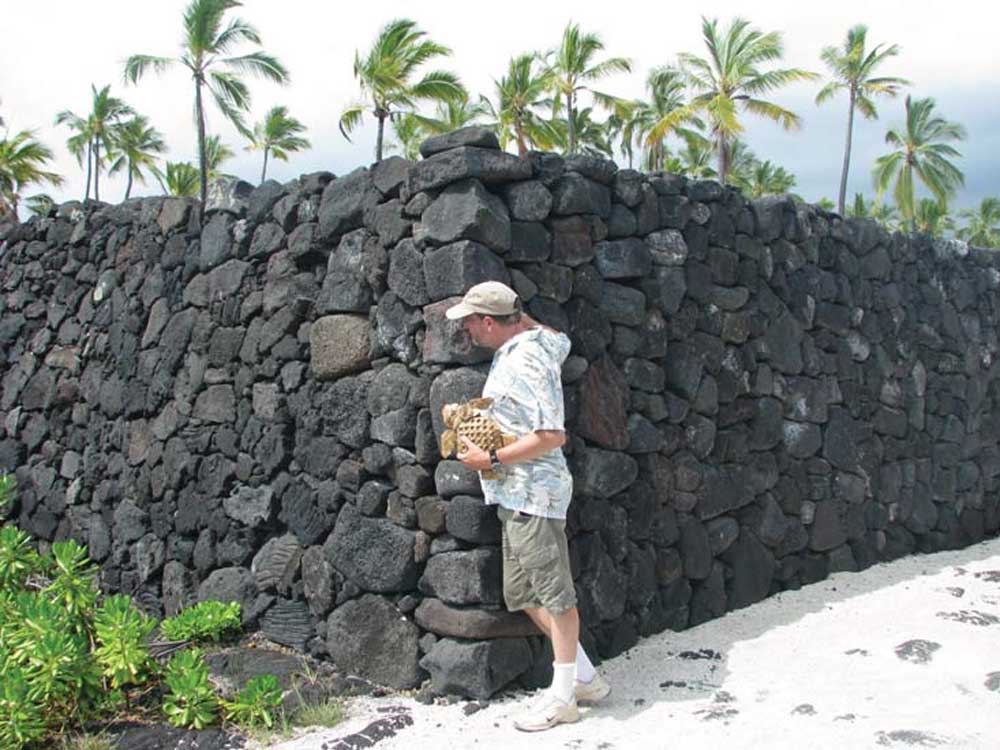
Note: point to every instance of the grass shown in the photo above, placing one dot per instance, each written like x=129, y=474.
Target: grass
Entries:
x=97, y=741
x=327, y=714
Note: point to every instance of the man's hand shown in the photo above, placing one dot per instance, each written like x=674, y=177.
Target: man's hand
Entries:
x=525, y=448
x=473, y=456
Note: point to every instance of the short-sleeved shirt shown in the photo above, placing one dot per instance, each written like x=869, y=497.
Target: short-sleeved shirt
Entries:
x=525, y=383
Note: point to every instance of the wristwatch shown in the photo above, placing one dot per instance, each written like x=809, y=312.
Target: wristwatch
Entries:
x=494, y=459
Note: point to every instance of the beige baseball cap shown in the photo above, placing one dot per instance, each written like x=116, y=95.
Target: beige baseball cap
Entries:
x=487, y=298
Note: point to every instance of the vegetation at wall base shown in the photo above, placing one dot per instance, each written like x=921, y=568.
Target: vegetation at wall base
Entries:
x=72, y=659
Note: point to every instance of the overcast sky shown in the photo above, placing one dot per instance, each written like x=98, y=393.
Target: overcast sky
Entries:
x=53, y=50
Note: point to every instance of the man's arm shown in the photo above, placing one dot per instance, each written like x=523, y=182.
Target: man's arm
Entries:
x=525, y=448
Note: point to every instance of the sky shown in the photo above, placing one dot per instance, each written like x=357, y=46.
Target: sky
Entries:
x=53, y=50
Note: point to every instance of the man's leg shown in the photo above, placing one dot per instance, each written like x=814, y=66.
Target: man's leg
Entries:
x=585, y=671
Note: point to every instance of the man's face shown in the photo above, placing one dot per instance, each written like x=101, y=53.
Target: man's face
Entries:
x=481, y=329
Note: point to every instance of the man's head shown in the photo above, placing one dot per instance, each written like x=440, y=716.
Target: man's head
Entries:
x=489, y=312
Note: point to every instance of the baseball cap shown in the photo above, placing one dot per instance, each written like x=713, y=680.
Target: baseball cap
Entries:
x=487, y=298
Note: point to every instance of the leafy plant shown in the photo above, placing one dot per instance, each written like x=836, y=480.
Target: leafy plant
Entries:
x=21, y=719
x=122, y=630
x=256, y=704
x=8, y=485
x=190, y=702
x=209, y=619
x=74, y=584
x=17, y=559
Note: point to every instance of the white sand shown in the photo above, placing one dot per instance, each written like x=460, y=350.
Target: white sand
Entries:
x=812, y=669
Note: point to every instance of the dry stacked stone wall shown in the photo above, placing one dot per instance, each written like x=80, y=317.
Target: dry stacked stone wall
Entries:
x=246, y=406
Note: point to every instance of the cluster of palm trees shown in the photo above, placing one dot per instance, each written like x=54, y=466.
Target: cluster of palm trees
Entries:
x=689, y=122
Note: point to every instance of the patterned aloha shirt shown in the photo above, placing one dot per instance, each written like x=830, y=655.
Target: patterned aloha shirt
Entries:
x=525, y=383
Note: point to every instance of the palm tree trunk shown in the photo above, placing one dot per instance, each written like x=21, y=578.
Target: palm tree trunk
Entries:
x=97, y=169
x=522, y=147
x=723, y=158
x=569, y=120
x=128, y=185
x=263, y=171
x=381, y=130
x=199, y=113
x=847, y=156
x=86, y=194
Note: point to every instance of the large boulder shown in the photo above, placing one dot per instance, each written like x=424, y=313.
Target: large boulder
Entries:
x=475, y=669
x=370, y=638
x=466, y=211
x=375, y=553
x=339, y=346
x=464, y=162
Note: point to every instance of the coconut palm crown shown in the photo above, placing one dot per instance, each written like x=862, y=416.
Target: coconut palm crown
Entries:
x=982, y=227
x=733, y=78
x=520, y=95
x=571, y=66
x=922, y=151
x=94, y=132
x=385, y=75
x=135, y=148
x=205, y=52
x=853, y=67
x=22, y=163
x=277, y=135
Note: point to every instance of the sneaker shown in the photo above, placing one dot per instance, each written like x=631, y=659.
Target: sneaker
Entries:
x=591, y=692
x=546, y=713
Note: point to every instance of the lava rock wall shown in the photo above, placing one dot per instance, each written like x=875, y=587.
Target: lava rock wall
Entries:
x=246, y=406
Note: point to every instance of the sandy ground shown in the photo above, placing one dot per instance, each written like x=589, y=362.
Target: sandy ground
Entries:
x=902, y=655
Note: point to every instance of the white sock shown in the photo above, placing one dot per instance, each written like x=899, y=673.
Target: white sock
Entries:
x=562, y=681
x=585, y=671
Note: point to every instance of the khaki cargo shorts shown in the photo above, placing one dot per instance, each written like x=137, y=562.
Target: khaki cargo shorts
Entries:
x=536, y=571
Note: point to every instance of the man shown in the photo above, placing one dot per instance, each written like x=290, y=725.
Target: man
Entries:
x=534, y=488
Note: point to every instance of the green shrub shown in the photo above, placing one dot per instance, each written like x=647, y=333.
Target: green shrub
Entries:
x=190, y=702
x=256, y=704
x=122, y=630
x=21, y=718
x=207, y=620
x=17, y=559
x=67, y=656
x=8, y=486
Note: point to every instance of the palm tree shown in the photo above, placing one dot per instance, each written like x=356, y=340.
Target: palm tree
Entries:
x=385, y=72
x=852, y=69
x=22, y=163
x=204, y=52
x=216, y=152
x=931, y=217
x=731, y=79
x=519, y=95
x=39, y=204
x=95, y=131
x=572, y=66
x=696, y=157
x=409, y=135
x=592, y=137
x=451, y=115
x=765, y=178
x=983, y=227
x=883, y=213
x=180, y=179
x=921, y=152
x=666, y=114
x=135, y=147
x=278, y=135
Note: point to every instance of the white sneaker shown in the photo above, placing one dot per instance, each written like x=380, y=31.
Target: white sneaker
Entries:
x=546, y=712
x=591, y=692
